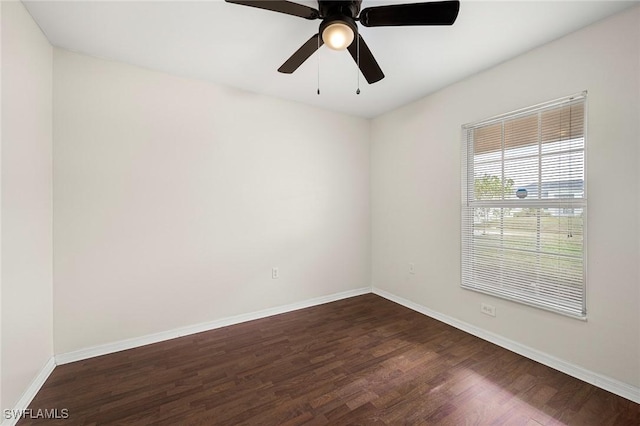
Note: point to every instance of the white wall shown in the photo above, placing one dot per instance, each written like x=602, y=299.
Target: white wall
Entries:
x=416, y=195
x=173, y=199
x=26, y=259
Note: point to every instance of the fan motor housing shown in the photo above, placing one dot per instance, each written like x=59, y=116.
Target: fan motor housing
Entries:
x=330, y=8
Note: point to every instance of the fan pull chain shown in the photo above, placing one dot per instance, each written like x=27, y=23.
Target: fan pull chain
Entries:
x=318, y=56
x=358, y=57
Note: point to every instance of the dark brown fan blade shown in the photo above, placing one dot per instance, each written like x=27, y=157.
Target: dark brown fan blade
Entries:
x=281, y=6
x=368, y=65
x=432, y=13
x=301, y=54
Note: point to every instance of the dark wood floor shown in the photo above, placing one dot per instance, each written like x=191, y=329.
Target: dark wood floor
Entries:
x=362, y=360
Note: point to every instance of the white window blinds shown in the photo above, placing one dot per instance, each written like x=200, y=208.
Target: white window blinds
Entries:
x=524, y=205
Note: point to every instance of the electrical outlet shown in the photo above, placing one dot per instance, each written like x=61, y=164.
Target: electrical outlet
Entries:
x=412, y=268
x=275, y=273
x=488, y=309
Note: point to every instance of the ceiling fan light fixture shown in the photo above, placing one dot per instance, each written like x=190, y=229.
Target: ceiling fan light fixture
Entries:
x=338, y=29
x=338, y=35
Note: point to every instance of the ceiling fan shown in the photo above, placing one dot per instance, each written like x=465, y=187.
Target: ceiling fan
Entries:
x=339, y=31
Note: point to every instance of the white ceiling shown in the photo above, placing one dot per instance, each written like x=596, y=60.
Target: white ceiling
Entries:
x=242, y=46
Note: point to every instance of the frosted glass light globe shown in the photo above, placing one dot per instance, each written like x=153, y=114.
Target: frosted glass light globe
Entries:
x=337, y=36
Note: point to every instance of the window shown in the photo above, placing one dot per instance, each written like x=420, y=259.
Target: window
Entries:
x=524, y=205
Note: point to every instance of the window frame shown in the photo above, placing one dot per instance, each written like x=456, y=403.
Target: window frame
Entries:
x=469, y=203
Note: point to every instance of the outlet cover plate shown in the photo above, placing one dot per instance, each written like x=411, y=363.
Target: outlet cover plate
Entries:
x=488, y=309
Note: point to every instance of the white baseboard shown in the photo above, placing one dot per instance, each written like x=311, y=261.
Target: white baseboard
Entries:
x=607, y=383
x=29, y=393
x=122, y=345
